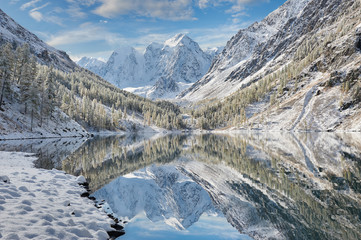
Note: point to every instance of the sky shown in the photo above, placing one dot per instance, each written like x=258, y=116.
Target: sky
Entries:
x=95, y=28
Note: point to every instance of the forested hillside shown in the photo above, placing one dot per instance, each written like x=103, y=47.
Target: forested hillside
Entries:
x=37, y=91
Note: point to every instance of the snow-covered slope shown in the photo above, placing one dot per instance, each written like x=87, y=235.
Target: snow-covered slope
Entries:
x=14, y=124
x=162, y=193
x=10, y=31
x=265, y=46
x=162, y=71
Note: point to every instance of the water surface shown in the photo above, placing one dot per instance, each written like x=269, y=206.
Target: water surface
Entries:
x=240, y=186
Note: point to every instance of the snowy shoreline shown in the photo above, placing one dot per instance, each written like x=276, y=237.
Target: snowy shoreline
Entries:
x=41, y=204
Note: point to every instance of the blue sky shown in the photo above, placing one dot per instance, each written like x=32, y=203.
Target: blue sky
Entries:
x=95, y=28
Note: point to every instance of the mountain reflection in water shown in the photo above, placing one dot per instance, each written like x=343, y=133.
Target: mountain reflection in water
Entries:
x=274, y=185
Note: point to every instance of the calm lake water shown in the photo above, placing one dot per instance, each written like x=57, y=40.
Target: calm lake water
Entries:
x=240, y=186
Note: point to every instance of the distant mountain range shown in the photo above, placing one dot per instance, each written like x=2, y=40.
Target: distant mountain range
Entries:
x=161, y=71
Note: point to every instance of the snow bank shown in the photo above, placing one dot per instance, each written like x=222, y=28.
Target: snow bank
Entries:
x=41, y=203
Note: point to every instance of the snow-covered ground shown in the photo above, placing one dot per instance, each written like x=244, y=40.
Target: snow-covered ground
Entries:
x=45, y=204
x=14, y=124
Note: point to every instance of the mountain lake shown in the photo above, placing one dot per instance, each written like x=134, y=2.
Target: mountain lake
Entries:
x=246, y=185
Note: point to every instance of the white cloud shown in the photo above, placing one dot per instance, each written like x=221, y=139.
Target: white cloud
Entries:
x=87, y=32
x=76, y=7
x=162, y=9
x=38, y=16
x=165, y=9
x=29, y=4
x=76, y=12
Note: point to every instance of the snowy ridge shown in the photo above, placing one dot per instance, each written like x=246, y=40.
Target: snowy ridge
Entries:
x=243, y=48
x=162, y=71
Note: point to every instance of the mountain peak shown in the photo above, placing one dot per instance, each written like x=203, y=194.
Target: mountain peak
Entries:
x=125, y=50
x=90, y=63
x=178, y=39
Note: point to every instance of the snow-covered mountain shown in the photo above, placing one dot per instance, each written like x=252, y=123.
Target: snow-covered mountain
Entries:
x=162, y=193
x=213, y=52
x=10, y=31
x=267, y=45
x=161, y=71
x=90, y=63
x=301, y=65
x=248, y=51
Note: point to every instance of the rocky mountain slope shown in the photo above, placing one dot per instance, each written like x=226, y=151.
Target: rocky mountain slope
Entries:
x=162, y=71
x=10, y=31
x=299, y=68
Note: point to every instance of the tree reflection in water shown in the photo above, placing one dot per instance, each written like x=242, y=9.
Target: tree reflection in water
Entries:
x=307, y=186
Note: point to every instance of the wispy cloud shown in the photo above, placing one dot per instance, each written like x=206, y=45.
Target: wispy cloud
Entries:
x=38, y=16
x=76, y=8
x=236, y=5
x=86, y=33
x=161, y=9
x=166, y=9
x=29, y=4
x=87, y=3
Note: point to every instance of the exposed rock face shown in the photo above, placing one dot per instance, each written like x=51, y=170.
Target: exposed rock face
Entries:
x=10, y=31
x=162, y=71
